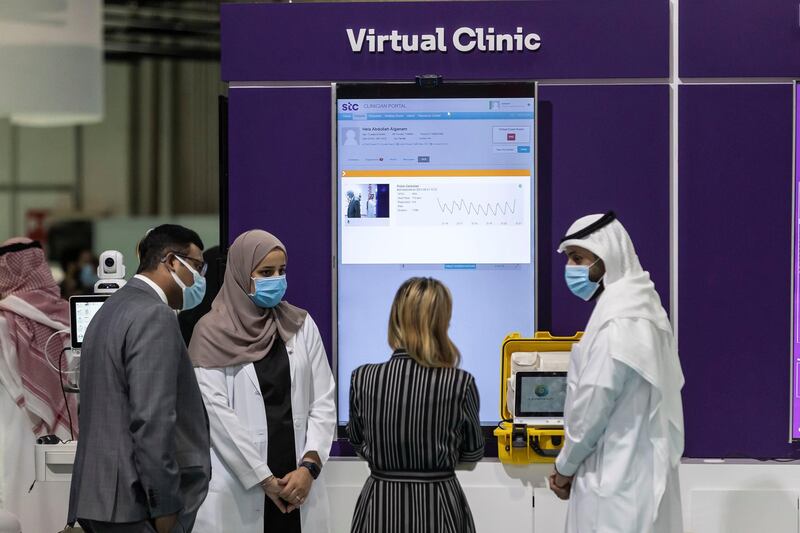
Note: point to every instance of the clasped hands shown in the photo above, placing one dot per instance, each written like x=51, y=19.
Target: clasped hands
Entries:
x=289, y=492
x=560, y=485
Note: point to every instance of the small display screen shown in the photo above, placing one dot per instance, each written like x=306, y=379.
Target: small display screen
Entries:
x=82, y=310
x=541, y=394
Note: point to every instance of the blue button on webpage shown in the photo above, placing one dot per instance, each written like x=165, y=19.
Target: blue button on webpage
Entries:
x=523, y=149
x=460, y=266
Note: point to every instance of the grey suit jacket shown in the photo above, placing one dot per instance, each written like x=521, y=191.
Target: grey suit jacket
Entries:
x=143, y=446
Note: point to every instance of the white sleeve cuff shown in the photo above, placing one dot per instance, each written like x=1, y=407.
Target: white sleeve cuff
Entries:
x=564, y=467
x=320, y=450
x=253, y=477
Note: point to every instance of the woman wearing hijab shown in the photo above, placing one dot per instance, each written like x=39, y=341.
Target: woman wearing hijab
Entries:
x=32, y=402
x=269, y=392
x=623, y=415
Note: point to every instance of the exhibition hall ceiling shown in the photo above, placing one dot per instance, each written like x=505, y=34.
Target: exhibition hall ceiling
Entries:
x=186, y=29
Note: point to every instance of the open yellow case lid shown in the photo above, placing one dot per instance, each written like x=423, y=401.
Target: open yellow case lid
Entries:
x=542, y=341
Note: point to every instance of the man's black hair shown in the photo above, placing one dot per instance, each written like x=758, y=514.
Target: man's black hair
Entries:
x=162, y=240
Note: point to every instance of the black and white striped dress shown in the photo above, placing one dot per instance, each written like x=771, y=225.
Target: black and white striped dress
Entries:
x=413, y=425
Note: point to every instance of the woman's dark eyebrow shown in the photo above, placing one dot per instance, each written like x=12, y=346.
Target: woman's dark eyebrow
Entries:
x=271, y=267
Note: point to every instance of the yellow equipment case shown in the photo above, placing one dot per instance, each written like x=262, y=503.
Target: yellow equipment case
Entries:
x=521, y=444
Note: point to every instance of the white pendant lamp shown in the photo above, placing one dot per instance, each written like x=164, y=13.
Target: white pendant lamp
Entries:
x=51, y=62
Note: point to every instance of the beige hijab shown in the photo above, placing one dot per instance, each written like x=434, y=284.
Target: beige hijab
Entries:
x=236, y=330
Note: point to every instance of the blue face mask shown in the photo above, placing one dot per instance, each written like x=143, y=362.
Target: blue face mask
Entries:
x=577, y=278
x=194, y=294
x=88, y=276
x=269, y=291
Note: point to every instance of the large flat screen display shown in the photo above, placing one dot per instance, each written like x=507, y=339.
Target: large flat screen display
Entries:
x=435, y=182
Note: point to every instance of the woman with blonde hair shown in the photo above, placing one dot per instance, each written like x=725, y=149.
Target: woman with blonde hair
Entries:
x=413, y=419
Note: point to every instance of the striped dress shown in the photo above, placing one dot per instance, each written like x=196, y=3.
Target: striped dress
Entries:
x=413, y=425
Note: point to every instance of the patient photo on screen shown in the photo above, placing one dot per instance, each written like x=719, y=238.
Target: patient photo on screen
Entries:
x=366, y=201
x=543, y=394
x=350, y=137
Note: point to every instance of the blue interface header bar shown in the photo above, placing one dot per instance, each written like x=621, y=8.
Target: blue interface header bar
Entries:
x=445, y=115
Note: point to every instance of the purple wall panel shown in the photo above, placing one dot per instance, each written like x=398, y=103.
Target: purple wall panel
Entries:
x=601, y=148
x=280, y=181
x=613, y=38
x=734, y=268
x=626, y=168
x=752, y=38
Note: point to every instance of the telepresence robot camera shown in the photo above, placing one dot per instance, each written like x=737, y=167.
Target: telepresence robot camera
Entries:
x=111, y=272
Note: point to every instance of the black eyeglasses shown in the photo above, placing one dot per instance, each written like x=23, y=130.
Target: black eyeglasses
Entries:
x=200, y=266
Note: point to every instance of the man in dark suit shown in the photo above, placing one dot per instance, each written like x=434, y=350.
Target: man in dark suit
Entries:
x=143, y=463
x=353, y=205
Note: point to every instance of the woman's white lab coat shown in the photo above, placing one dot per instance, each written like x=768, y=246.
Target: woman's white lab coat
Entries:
x=235, y=501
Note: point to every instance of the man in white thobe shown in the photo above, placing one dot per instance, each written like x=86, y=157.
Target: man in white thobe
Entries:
x=623, y=415
x=371, y=204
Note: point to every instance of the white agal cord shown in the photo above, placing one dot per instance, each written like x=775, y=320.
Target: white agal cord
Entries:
x=47, y=358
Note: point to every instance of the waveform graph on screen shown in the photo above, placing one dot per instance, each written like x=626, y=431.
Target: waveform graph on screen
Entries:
x=462, y=203
x=437, y=216
x=489, y=212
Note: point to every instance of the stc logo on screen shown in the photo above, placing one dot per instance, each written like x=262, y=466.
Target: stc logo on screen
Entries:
x=352, y=106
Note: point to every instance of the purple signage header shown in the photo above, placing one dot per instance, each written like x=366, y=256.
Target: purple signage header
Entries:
x=796, y=315
x=529, y=39
x=752, y=38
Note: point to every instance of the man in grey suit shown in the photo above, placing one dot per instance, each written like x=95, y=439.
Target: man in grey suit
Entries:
x=143, y=462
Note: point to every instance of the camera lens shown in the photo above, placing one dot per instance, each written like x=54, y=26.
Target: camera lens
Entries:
x=109, y=262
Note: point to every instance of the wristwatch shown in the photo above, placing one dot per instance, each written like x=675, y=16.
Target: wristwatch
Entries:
x=312, y=467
